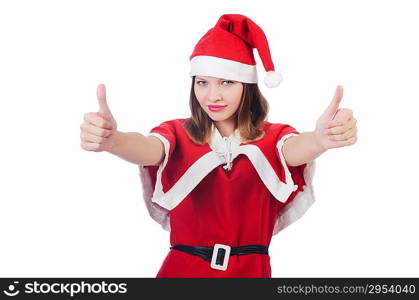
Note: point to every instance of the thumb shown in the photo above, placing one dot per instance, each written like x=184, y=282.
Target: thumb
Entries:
x=333, y=107
x=103, y=105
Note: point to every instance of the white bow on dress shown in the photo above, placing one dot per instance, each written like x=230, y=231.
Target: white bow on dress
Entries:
x=226, y=147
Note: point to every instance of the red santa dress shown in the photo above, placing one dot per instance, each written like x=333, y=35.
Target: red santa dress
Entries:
x=203, y=197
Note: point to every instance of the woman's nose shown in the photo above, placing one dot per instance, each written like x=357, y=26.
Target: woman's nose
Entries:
x=214, y=93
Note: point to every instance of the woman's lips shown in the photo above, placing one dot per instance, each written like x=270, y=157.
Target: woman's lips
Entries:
x=216, y=107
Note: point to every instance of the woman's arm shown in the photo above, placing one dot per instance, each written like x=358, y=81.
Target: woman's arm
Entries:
x=138, y=149
x=335, y=128
x=301, y=149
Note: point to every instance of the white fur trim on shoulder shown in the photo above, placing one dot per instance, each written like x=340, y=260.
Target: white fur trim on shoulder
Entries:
x=280, y=190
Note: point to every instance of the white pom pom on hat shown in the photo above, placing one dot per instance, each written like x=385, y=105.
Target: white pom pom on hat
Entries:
x=273, y=79
x=226, y=51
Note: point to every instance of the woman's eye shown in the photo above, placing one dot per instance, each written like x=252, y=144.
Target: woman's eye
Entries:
x=201, y=81
x=228, y=81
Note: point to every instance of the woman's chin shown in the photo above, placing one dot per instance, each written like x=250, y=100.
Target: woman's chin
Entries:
x=217, y=118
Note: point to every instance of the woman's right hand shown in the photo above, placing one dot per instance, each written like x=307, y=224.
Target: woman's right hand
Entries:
x=98, y=129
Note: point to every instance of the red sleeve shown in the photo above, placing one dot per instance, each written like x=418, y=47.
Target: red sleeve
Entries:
x=166, y=133
x=153, y=178
x=301, y=177
x=296, y=172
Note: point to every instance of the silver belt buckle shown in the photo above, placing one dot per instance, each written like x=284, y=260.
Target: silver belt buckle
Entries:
x=214, y=265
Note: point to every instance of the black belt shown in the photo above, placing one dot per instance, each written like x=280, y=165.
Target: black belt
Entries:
x=223, y=252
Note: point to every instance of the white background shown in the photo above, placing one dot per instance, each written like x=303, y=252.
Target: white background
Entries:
x=70, y=212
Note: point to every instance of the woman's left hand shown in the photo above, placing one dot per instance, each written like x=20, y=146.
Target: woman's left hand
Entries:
x=336, y=127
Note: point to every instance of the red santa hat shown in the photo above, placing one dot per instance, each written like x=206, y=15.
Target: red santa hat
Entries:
x=226, y=51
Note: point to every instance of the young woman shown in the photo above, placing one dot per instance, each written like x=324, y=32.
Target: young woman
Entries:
x=224, y=180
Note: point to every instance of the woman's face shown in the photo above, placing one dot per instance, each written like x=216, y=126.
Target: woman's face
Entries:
x=213, y=92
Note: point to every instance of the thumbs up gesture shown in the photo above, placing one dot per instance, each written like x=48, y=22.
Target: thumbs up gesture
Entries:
x=98, y=128
x=336, y=127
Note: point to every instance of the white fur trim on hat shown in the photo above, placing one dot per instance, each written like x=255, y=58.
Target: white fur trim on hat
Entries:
x=223, y=68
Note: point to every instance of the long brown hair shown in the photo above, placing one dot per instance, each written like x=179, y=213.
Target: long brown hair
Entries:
x=250, y=116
